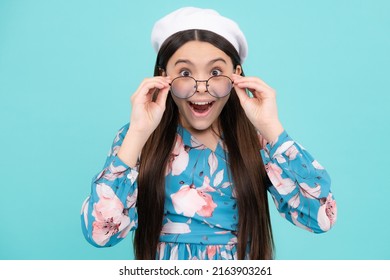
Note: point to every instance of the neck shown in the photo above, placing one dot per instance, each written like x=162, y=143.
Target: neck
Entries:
x=208, y=137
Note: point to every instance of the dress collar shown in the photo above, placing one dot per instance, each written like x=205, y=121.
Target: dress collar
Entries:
x=192, y=142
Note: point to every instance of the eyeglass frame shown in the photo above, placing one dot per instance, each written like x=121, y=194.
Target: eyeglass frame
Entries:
x=202, y=81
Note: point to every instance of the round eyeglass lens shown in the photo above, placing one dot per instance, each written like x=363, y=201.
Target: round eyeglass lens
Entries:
x=183, y=87
x=219, y=86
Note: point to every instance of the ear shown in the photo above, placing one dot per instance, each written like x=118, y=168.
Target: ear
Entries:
x=238, y=70
x=162, y=72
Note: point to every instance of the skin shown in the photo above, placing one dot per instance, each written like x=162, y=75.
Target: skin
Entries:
x=200, y=60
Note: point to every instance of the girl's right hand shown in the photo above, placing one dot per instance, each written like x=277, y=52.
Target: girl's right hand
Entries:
x=146, y=114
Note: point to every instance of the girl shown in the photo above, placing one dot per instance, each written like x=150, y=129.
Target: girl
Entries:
x=190, y=173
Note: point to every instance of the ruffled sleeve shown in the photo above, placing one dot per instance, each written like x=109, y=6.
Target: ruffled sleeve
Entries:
x=109, y=213
x=300, y=185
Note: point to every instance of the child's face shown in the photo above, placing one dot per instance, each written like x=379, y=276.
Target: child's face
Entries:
x=201, y=61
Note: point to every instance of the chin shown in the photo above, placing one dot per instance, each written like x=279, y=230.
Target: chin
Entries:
x=200, y=125
x=192, y=120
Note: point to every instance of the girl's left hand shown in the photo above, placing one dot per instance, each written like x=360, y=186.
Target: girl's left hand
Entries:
x=261, y=109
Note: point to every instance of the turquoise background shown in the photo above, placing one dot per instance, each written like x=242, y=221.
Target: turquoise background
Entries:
x=68, y=69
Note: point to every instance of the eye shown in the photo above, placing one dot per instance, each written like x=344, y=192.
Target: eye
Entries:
x=185, y=73
x=216, y=72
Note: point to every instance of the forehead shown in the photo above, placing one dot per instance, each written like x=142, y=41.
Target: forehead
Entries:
x=199, y=54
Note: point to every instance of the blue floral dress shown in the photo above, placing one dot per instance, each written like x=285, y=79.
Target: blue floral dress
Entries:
x=200, y=213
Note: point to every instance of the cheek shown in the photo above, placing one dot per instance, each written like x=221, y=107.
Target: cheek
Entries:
x=180, y=103
x=221, y=103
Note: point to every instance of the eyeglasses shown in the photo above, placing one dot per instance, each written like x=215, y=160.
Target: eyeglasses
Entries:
x=217, y=86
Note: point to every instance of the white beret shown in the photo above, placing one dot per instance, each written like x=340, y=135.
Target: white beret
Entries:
x=196, y=18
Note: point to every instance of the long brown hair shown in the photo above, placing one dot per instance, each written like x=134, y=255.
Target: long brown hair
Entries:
x=246, y=166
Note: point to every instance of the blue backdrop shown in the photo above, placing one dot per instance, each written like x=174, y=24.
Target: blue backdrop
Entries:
x=68, y=68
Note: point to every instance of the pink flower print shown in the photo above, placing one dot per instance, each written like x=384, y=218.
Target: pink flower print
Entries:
x=327, y=214
x=190, y=200
x=131, y=199
x=292, y=152
x=206, y=184
x=208, y=209
x=222, y=232
x=187, y=201
x=109, y=215
x=195, y=144
x=114, y=151
x=213, y=163
x=112, y=172
x=117, y=169
x=118, y=135
x=174, y=255
x=278, y=155
x=179, y=158
x=283, y=185
x=233, y=241
x=175, y=228
x=317, y=165
x=225, y=255
x=310, y=192
x=211, y=250
x=225, y=185
x=218, y=178
x=294, y=201
x=127, y=229
x=331, y=210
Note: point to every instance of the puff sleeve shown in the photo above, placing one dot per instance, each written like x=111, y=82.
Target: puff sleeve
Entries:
x=300, y=185
x=109, y=213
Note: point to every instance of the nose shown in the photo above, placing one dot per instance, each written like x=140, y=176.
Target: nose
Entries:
x=201, y=86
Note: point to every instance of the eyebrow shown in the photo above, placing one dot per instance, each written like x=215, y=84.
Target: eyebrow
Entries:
x=187, y=61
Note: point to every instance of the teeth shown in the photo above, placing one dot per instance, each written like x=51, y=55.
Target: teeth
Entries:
x=201, y=103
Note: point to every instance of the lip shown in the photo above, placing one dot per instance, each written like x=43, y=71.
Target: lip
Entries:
x=200, y=101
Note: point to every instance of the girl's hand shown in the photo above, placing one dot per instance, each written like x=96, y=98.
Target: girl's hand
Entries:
x=146, y=114
x=261, y=109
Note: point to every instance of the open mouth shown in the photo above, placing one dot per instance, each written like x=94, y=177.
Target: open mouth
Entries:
x=201, y=108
